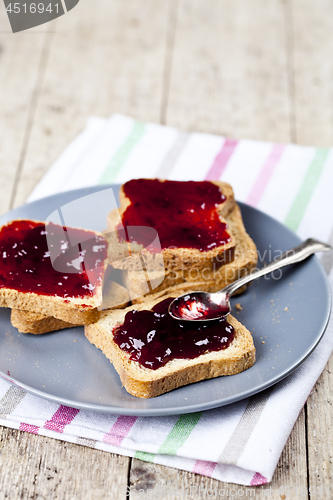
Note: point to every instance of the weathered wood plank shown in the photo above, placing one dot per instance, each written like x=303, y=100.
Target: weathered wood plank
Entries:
x=106, y=57
x=163, y=482
x=229, y=71
x=21, y=66
x=39, y=467
x=320, y=436
x=313, y=71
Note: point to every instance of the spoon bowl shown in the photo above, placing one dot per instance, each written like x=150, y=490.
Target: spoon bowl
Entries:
x=205, y=306
x=200, y=305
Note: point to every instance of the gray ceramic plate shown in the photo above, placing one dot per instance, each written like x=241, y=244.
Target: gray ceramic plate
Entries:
x=65, y=368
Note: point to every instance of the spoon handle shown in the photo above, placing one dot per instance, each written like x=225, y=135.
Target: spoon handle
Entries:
x=296, y=254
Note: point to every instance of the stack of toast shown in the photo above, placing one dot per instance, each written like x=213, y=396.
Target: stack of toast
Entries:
x=183, y=269
x=166, y=239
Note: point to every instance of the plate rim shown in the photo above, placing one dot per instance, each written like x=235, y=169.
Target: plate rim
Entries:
x=175, y=410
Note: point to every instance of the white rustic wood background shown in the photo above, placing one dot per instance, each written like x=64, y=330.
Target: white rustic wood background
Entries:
x=260, y=69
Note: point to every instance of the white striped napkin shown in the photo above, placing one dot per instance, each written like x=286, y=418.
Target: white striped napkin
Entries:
x=240, y=443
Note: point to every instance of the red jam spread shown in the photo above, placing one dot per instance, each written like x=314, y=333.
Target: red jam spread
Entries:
x=26, y=266
x=183, y=213
x=152, y=338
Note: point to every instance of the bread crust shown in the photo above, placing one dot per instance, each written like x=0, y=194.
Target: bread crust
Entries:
x=145, y=383
x=115, y=296
x=35, y=323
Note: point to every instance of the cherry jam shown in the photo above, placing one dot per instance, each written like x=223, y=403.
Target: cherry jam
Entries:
x=152, y=338
x=183, y=214
x=26, y=265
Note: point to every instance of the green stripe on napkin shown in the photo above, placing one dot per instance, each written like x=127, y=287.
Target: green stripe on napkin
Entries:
x=176, y=437
x=180, y=432
x=123, y=153
x=143, y=455
x=310, y=181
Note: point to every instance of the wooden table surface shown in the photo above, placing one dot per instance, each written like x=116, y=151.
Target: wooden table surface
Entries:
x=259, y=69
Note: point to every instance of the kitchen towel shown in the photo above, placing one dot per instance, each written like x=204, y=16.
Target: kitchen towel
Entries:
x=242, y=442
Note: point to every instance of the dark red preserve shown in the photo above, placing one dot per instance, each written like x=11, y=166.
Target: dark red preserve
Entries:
x=152, y=338
x=183, y=213
x=26, y=266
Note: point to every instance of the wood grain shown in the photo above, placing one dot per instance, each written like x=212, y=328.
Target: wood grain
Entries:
x=320, y=435
x=106, y=57
x=37, y=467
x=229, y=71
x=313, y=70
x=17, y=99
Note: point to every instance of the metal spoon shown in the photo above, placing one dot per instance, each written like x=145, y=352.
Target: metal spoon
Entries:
x=205, y=306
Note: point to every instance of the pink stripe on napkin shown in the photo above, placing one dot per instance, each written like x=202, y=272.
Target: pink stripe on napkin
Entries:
x=33, y=429
x=221, y=160
x=62, y=417
x=204, y=468
x=265, y=174
x=119, y=430
x=258, y=479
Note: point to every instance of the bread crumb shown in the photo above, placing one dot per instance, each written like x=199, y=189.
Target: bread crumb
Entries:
x=74, y=340
x=286, y=309
x=239, y=306
x=291, y=283
x=262, y=341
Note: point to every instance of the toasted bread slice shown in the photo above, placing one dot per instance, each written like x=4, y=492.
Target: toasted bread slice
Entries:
x=144, y=382
x=131, y=255
x=114, y=296
x=30, y=281
x=155, y=284
x=30, y=322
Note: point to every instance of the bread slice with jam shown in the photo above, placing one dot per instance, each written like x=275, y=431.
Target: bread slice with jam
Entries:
x=171, y=226
x=154, y=354
x=52, y=270
x=115, y=295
